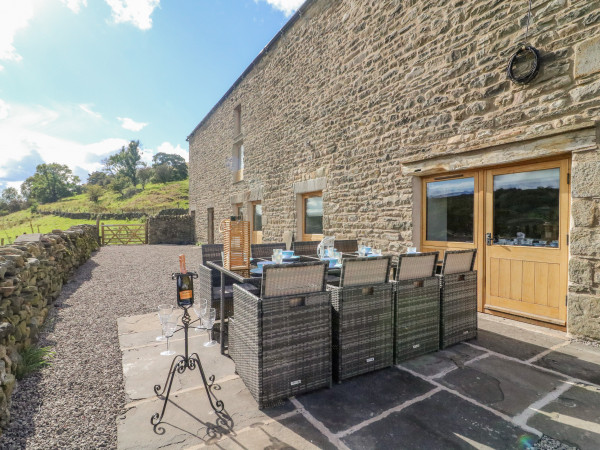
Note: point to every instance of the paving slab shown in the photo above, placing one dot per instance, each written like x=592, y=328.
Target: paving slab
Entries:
x=189, y=420
x=576, y=359
x=573, y=418
x=363, y=397
x=507, y=386
x=440, y=422
x=442, y=361
x=514, y=341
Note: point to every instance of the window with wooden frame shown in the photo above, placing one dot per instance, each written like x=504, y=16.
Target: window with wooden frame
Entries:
x=238, y=162
x=312, y=216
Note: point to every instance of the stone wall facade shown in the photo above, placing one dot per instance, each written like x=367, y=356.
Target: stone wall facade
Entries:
x=363, y=98
x=32, y=273
x=165, y=229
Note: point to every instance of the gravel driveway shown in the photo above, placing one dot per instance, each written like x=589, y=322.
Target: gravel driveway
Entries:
x=74, y=402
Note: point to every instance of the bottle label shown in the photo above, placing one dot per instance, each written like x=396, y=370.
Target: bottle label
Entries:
x=185, y=295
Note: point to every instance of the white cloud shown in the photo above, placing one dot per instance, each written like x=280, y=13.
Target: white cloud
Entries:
x=167, y=147
x=287, y=6
x=14, y=15
x=130, y=124
x=75, y=5
x=137, y=12
x=88, y=109
x=24, y=143
x=4, y=109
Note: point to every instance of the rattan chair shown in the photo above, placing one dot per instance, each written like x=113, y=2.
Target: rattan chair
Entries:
x=346, y=245
x=417, y=306
x=207, y=288
x=212, y=252
x=281, y=341
x=458, y=297
x=265, y=250
x=305, y=248
x=362, y=312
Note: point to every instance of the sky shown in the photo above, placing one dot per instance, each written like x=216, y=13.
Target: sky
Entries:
x=81, y=78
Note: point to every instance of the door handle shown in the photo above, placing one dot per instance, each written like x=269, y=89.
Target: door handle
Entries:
x=488, y=238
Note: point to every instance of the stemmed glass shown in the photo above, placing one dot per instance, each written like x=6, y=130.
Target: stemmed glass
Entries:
x=164, y=314
x=169, y=328
x=209, y=320
x=200, y=310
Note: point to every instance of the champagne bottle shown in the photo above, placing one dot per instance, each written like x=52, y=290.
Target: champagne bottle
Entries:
x=185, y=287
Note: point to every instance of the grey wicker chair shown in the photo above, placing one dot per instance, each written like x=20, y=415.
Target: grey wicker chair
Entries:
x=212, y=252
x=346, y=245
x=362, y=312
x=208, y=289
x=281, y=341
x=458, y=297
x=305, y=248
x=417, y=306
x=265, y=250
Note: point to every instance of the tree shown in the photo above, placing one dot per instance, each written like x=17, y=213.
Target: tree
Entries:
x=162, y=173
x=98, y=178
x=94, y=192
x=126, y=162
x=177, y=165
x=119, y=183
x=144, y=174
x=50, y=183
x=11, y=200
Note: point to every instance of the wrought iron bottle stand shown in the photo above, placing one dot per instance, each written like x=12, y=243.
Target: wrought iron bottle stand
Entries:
x=179, y=365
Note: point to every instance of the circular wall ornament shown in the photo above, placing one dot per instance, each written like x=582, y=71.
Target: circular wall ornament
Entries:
x=524, y=64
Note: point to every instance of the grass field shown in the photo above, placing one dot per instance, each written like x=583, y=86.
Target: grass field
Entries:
x=23, y=222
x=152, y=199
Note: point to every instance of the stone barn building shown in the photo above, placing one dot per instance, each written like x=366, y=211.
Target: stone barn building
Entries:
x=394, y=122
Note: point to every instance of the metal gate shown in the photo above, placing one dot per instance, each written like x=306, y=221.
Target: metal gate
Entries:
x=124, y=234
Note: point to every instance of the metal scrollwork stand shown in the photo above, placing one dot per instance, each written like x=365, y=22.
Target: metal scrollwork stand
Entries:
x=179, y=365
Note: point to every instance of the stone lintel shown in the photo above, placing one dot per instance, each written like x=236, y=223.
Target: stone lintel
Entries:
x=316, y=184
x=28, y=238
x=568, y=142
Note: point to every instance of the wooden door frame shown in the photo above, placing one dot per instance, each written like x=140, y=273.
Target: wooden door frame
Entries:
x=252, y=230
x=479, y=211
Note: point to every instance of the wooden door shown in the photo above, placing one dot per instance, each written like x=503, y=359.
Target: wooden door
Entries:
x=256, y=223
x=210, y=225
x=526, y=227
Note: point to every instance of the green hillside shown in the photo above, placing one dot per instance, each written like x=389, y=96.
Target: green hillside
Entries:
x=150, y=200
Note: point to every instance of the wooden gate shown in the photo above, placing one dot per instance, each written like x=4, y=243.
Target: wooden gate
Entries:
x=124, y=234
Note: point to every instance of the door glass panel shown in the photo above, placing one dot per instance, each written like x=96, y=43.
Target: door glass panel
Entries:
x=450, y=207
x=313, y=219
x=257, y=217
x=526, y=208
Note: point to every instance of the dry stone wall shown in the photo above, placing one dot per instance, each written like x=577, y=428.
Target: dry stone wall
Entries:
x=168, y=229
x=32, y=273
x=354, y=91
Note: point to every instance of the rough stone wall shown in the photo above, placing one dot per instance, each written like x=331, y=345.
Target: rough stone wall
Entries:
x=353, y=91
x=171, y=229
x=32, y=273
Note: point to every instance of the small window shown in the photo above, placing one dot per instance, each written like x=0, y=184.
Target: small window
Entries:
x=238, y=162
x=257, y=219
x=238, y=211
x=237, y=120
x=449, y=209
x=312, y=216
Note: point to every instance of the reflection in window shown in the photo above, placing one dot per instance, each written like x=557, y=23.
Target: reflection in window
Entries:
x=526, y=208
x=313, y=219
x=257, y=217
x=450, y=206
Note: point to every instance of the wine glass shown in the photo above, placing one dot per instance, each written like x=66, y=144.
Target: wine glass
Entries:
x=164, y=313
x=209, y=320
x=200, y=310
x=169, y=328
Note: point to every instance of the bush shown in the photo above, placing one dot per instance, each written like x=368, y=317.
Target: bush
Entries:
x=33, y=359
x=94, y=192
x=34, y=206
x=130, y=192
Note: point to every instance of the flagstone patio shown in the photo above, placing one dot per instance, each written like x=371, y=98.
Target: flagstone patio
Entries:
x=505, y=389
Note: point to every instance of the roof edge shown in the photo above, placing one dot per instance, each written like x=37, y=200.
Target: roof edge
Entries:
x=307, y=4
